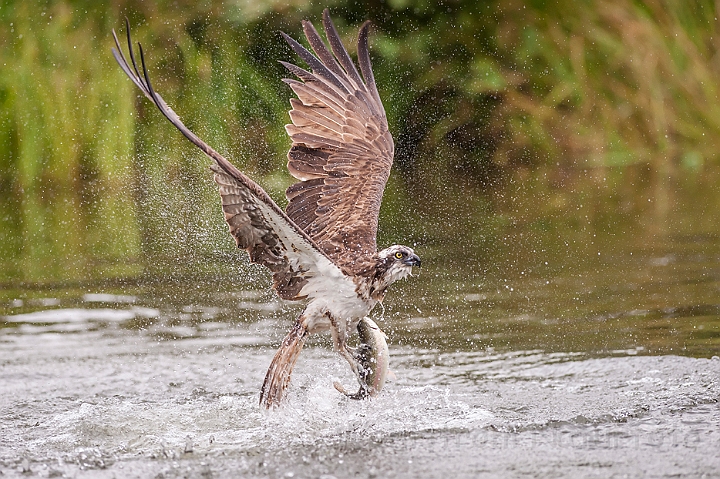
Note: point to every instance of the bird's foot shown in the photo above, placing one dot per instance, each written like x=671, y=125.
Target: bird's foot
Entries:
x=354, y=357
x=362, y=393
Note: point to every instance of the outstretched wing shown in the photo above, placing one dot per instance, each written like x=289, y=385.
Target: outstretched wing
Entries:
x=257, y=223
x=342, y=150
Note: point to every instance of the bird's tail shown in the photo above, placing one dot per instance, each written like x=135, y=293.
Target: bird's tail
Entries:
x=278, y=374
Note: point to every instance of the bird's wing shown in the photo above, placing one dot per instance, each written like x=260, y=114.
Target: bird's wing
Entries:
x=259, y=225
x=342, y=150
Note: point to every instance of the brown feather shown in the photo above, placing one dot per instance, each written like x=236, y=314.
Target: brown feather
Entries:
x=277, y=378
x=253, y=231
x=342, y=150
x=255, y=221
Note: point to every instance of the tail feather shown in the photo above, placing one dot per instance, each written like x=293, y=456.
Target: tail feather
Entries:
x=278, y=374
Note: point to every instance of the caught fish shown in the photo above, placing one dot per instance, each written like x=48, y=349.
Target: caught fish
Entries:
x=372, y=356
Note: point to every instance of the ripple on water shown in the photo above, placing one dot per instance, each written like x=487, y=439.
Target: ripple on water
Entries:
x=129, y=401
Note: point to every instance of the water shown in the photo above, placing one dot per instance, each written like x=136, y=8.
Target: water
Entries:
x=566, y=322
x=546, y=373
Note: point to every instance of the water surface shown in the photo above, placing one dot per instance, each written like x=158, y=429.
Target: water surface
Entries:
x=569, y=372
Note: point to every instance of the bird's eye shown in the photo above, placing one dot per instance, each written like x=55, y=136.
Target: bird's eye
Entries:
x=399, y=255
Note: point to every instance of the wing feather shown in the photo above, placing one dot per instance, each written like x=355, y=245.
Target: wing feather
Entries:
x=258, y=225
x=365, y=65
x=339, y=50
x=342, y=150
x=325, y=56
x=316, y=65
x=305, y=165
x=315, y=93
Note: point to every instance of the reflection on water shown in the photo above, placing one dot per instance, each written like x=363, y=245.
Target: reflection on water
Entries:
x=642, y=300
x=621, y=300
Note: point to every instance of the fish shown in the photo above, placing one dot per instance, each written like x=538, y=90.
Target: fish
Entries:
x=373, y=356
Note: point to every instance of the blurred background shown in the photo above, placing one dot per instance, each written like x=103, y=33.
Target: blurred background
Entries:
x=532, y=137
x=556, y=169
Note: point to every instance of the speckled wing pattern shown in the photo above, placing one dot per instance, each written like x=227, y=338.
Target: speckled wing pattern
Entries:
x=342, y=150
x=256, y=222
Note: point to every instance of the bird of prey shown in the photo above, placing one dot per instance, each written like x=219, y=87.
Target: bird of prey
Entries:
x=322, y=248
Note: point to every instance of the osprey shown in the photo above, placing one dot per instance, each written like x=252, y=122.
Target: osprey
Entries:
x=322, y=248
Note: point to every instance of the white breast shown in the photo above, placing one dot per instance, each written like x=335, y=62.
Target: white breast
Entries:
x=336, y=294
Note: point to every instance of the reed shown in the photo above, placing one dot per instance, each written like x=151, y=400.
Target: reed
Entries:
x=479, y=97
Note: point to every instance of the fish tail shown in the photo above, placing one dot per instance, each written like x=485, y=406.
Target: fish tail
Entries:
x=278, y=374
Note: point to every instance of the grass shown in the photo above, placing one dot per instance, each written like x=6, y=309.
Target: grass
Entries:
x=478, y=97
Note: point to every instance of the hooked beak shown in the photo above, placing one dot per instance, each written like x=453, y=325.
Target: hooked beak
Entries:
x=412, y=260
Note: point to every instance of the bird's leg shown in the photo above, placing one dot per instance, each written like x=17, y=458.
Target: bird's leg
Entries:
x=278, y=374
x=339, y=336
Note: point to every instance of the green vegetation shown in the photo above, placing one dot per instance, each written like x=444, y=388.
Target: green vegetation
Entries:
x=506, y=97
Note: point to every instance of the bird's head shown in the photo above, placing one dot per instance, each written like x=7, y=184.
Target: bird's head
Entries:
x=396, y=263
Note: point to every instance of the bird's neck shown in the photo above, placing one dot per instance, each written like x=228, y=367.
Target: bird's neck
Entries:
x=383, y=276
